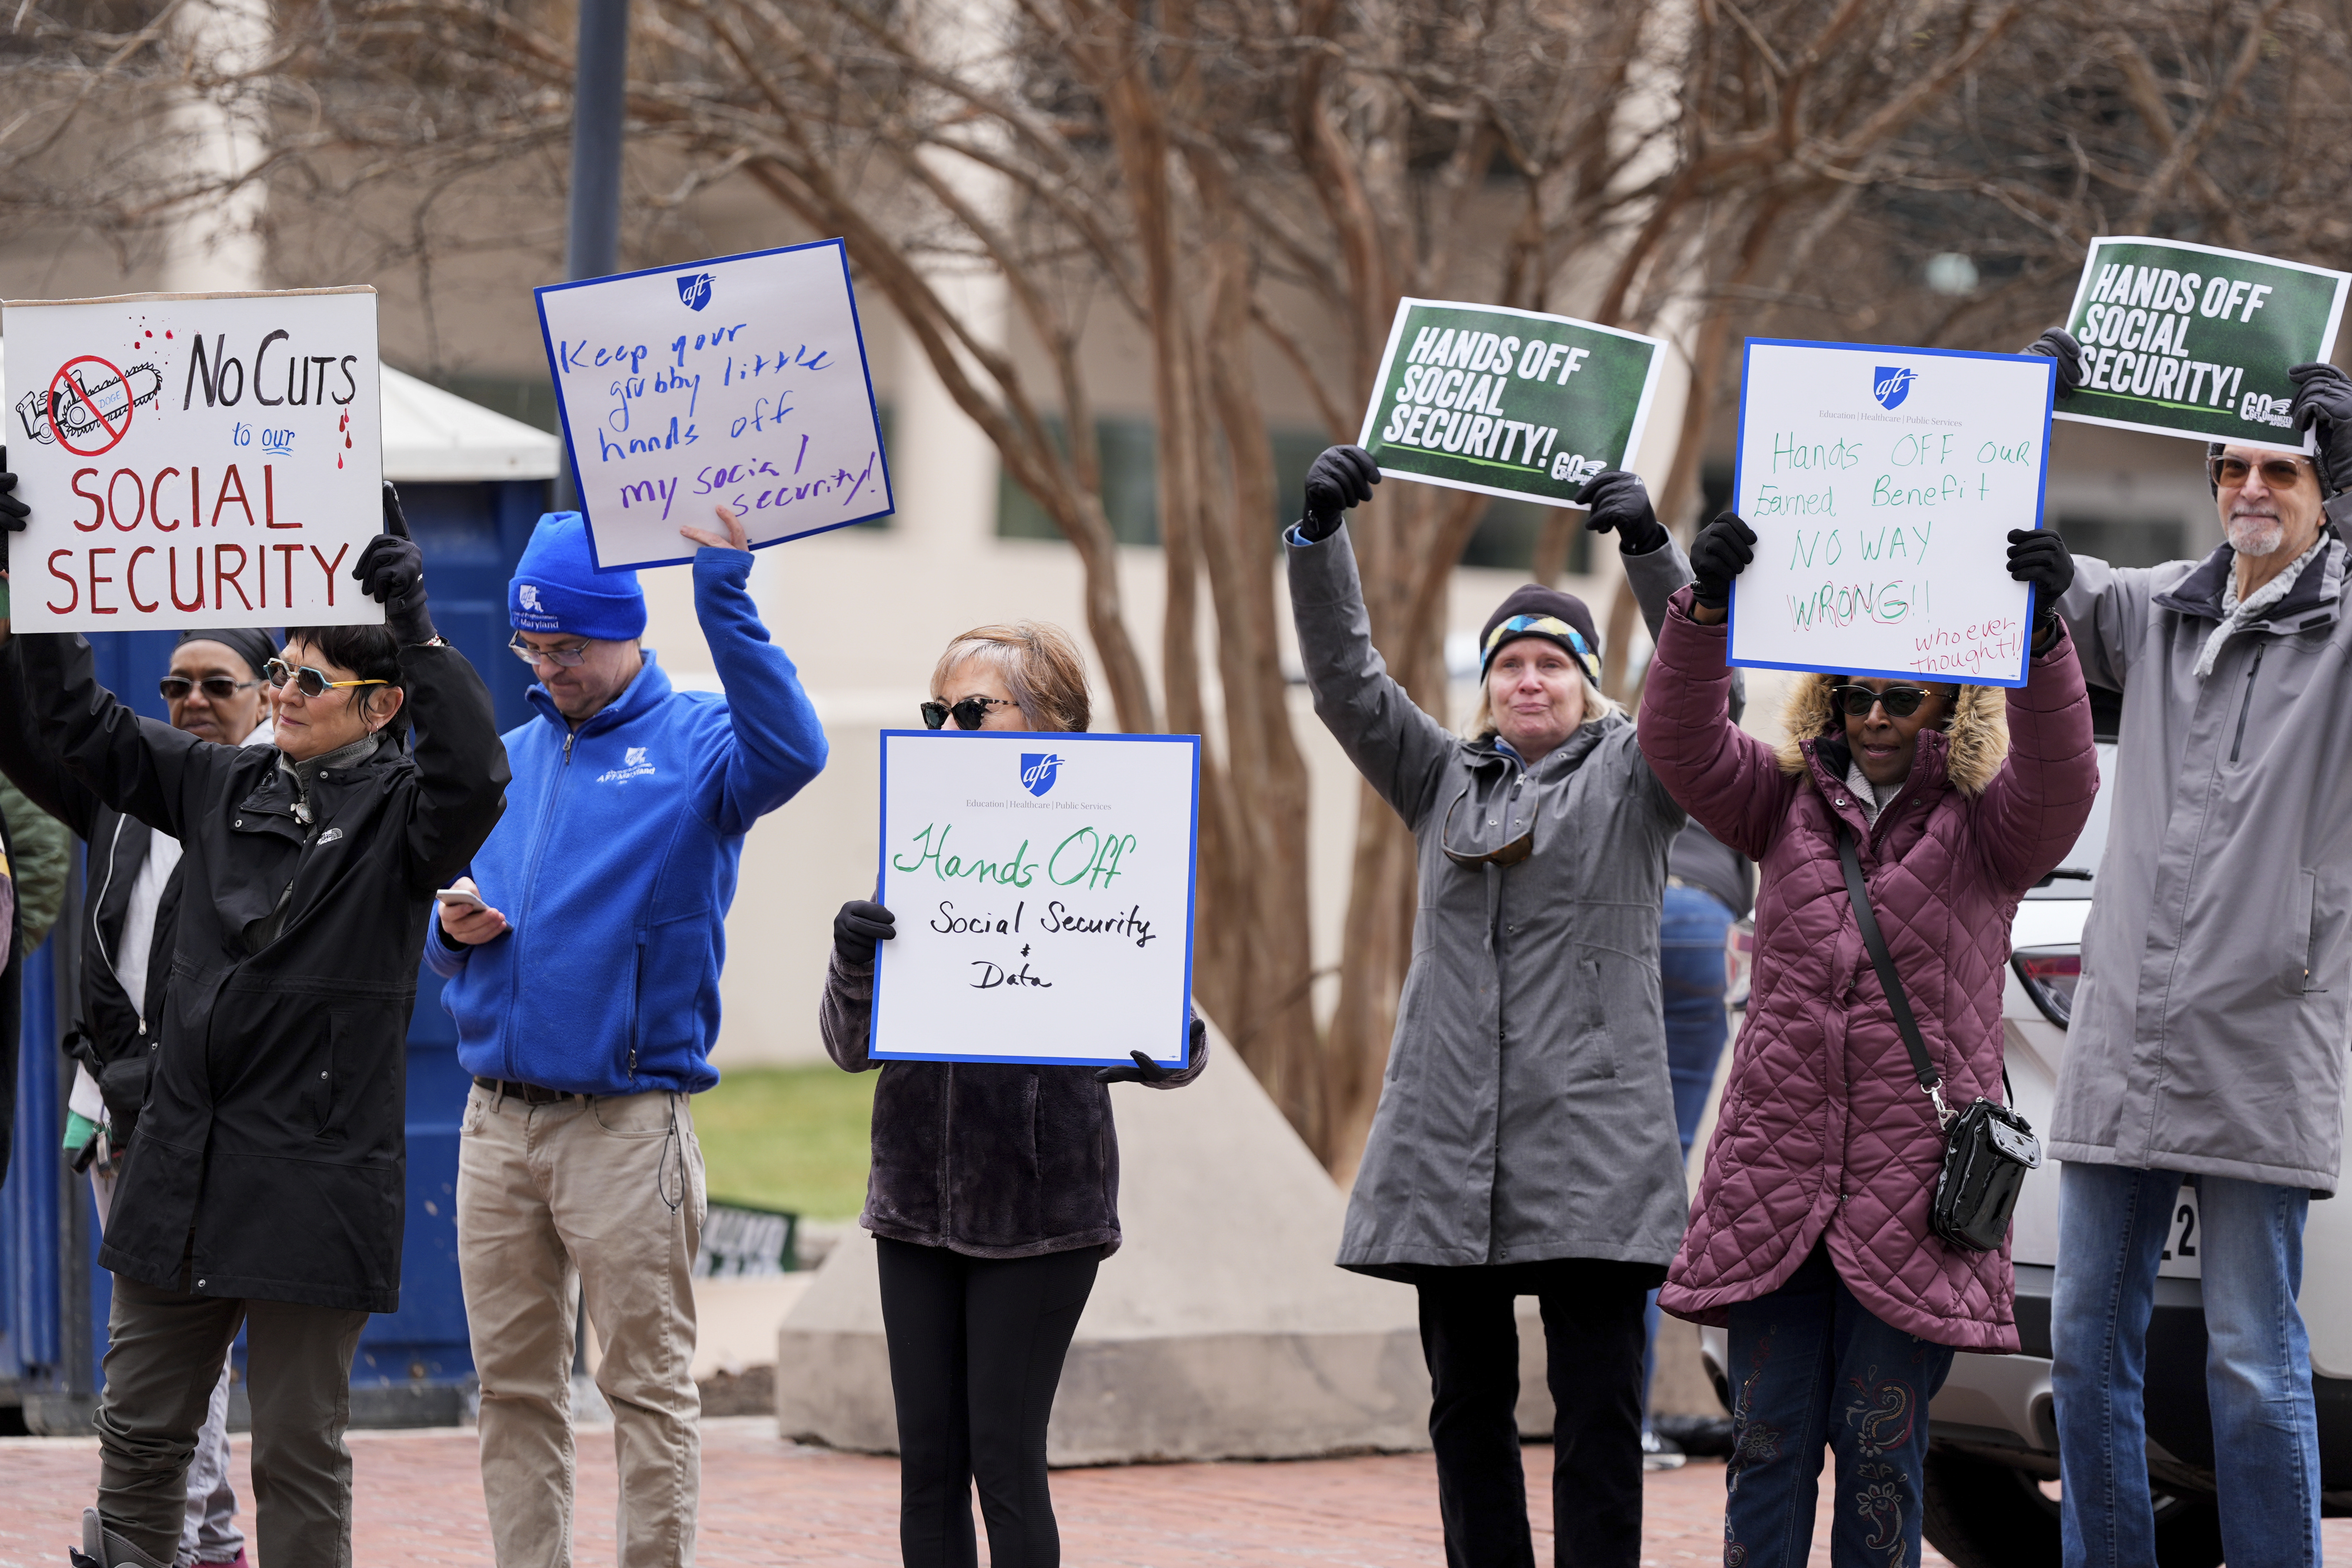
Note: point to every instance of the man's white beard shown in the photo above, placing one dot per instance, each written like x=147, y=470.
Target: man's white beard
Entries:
x=2250, y=534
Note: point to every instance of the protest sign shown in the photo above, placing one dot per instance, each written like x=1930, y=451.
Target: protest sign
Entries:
x=194, y=459
x=1043, y=886
x=1508, y=403
x=737, y=382
x=2185, y=340
x=1882, y=484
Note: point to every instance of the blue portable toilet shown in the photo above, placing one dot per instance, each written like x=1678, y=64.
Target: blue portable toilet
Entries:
x=473, y=483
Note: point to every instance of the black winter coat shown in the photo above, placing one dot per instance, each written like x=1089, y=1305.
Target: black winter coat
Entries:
x=988, y=1159
x=12, y=997
x=270, y=1157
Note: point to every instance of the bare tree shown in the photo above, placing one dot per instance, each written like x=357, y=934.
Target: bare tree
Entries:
x=1228, y=174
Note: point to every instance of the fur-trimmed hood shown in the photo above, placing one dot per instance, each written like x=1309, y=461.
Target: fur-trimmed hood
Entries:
x=1977, y=739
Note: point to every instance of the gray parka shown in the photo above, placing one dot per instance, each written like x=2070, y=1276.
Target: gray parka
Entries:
x=1527, y=1113
x=2209, y=1030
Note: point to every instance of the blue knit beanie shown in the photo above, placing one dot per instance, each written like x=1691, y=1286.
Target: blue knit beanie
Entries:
x=556, y=587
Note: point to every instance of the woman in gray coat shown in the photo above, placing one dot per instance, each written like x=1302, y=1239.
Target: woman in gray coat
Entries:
x=1525, y=1140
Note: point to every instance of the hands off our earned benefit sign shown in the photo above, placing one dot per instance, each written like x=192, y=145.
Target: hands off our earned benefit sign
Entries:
x=1508, y=403
x=194, y=459
x=739, y=382
x=2185, y=340
x=1882, y=484
x=1043, y=886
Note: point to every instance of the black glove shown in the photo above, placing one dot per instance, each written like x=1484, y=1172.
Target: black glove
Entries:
x=2037, y=555
x=1145, y=1069
x=2323, y=402
x=1620, y=502
x=1723, y=550
x=13, y=514
x=391, y=573
x=2060, y=344
x=857, y=929
x=1341, y=477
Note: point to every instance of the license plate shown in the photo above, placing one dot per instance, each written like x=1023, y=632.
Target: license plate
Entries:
x=2186, y=1243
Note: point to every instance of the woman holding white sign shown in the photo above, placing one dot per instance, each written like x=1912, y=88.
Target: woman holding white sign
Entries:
x=1525, y=1140
x=994, y=1190
x=1894, y=835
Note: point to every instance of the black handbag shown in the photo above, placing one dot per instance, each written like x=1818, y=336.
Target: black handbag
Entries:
x=1988, y=1148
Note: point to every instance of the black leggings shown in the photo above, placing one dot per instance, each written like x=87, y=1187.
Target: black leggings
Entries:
x=1592, y=1353
x=976, y=1349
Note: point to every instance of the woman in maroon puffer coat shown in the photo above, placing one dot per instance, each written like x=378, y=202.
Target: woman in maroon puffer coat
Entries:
x=1810, y=1238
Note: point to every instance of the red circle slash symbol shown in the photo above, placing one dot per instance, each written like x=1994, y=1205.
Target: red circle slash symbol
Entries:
x=75, y=396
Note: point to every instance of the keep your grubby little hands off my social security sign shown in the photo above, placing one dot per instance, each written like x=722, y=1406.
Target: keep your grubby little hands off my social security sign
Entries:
x=194, y=459
x=740, y=381
x=1043, y=886
x=1882, y=484
x=1506, y=402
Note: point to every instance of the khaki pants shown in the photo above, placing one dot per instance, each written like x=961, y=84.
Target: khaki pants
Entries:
x=604, y=1194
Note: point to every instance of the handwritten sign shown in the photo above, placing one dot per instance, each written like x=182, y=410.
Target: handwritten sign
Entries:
x=1043, y=886
x=2187, y=340
x=740, y=381
x=194, y=459
x=1882, y=484
x=1508, y=403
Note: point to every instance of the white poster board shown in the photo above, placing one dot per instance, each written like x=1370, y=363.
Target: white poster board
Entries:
x=740, y=380
x=1043, y=886
x=1882, y=484
x=194, y=459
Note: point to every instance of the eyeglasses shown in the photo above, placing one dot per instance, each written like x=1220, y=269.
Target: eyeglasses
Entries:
x=2280, y=473
x=307, y=681
x=219, y=687
x=1901, y=702
x=1510, y=854
x=571, y=657
x=969, y=713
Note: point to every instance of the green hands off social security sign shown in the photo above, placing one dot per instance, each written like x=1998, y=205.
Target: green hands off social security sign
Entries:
x=1506, y=402
x=2188, y=339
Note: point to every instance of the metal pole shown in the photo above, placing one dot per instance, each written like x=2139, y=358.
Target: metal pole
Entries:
x=593, y=239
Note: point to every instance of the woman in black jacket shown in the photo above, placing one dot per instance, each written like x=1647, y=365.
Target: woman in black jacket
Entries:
x=994, y=1192
x=263, y=1186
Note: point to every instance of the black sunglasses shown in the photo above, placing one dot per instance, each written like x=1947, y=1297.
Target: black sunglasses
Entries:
x=2281, y=473
x=219, y=687
x=1510, y=854
x=1901, y=702
x=969, y=713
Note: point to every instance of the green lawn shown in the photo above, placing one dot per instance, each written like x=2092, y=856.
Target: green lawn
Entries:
x=788, y=1138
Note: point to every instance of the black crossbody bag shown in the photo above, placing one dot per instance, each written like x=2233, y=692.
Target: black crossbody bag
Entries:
x=1988, y=1148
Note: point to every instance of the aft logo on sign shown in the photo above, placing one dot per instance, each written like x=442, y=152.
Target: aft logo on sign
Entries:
x=1891, y=385
x=694, y=290
x=1039, y=770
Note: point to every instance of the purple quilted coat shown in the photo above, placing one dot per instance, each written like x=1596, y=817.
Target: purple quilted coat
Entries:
x=1823, y=1128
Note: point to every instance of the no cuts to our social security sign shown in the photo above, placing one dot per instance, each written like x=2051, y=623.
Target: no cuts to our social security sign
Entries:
x=1882, y=484
x=740, y=381
x=1508, y=403
x=194, y=459
x=1043, y=886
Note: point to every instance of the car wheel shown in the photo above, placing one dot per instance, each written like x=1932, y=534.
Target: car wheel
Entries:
x=1981, y=1513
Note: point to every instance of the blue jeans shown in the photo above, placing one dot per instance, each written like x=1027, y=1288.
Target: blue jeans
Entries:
x=1811, y=1365
x=2113, y=1223
x=1692, y=932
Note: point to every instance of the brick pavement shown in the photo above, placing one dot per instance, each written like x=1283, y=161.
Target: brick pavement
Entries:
x=769, y=1502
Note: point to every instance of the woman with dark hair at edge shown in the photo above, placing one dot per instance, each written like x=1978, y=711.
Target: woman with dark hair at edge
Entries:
x=263, y=1187
x=994, y=1191
x=1524, y=1144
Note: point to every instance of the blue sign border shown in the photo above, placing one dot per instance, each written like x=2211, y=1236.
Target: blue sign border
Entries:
x=1183, y=1057
x=865, y=366
x=2041, y=500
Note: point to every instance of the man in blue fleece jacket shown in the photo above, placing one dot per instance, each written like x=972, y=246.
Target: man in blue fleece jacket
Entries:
x=585, y=987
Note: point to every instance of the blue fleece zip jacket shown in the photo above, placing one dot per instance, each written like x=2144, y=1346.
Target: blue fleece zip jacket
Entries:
x=617, y=861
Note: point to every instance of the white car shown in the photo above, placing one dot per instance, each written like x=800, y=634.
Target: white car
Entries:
x=1992, y=1463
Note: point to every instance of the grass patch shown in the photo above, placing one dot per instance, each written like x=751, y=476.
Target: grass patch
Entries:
x=788, y=1138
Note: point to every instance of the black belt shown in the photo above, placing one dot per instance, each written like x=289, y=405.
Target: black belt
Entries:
x=529, y=1093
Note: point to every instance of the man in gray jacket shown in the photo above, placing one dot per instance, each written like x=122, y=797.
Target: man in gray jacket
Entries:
x=2209, y=1034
